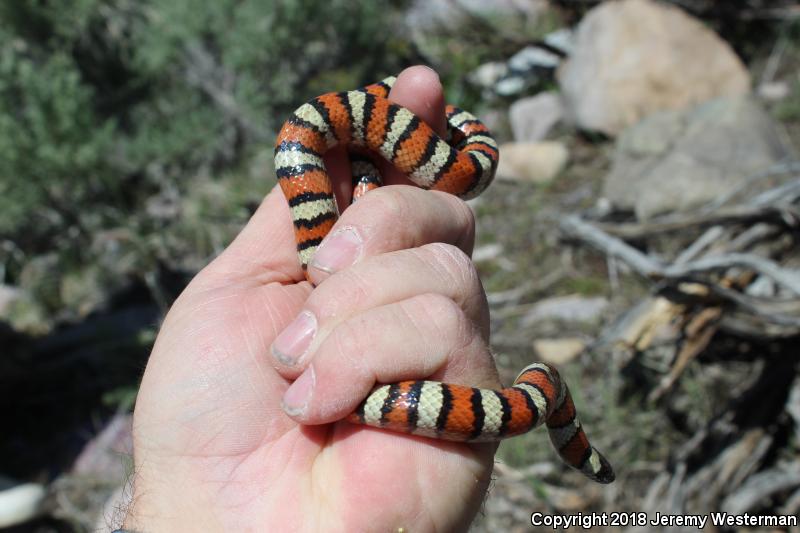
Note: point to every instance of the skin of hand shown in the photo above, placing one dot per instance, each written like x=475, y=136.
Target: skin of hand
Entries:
x=237, y=423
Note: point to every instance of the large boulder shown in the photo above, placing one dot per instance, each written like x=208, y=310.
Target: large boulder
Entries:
x=634, y=57
x=678, y=160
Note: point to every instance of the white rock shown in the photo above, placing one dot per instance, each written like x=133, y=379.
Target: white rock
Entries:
x=572, y=308
x=558, y=351
x=774, y=91
x=511, y=85
x=20, y=503
x=532, y=118
x=562, y=39
x=634, y=57
x=533, y=56
x=488, y=74
x=537, y=162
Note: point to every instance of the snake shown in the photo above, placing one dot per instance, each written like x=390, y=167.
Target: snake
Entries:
x=463, y=163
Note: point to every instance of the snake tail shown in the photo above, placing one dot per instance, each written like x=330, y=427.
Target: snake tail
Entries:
x=467, y=414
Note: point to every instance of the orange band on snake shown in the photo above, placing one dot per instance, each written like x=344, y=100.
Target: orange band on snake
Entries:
x=371, y=125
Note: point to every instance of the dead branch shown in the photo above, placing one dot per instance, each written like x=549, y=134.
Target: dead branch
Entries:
x=761, y=486
x=741, y=214
x=655, y=270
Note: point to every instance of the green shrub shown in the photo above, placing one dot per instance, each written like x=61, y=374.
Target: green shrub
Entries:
x=108, y=105
x=52, y=144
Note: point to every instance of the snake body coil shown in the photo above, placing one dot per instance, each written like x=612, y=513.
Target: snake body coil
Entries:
x=369, y=123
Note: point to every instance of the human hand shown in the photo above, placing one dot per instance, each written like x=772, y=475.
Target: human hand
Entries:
x=398, y=298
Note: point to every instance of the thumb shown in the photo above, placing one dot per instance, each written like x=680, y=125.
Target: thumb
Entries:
x=265, y=248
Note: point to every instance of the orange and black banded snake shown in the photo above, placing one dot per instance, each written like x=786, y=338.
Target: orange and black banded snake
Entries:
x=370, y=124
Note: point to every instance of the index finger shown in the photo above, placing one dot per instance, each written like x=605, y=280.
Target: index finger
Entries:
x=389, y=219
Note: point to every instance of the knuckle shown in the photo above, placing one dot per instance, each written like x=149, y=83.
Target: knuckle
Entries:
x=380, y=214
x=441, y=324
x=454, y=264
x=386, y=206
x=446, y=316
x=458, y=272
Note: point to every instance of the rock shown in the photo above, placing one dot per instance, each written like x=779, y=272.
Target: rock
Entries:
x=537, y=162
x=488, y=74
x=514, y=84
x=572, y=308
x=558, y=351
x=635, y=57
x=532, y=57
x=528, y=68
x=678, y=160
x=436, y=26
x=562, y=39
x=531, y=66
x=20, y=502
x=774, y=91
x=533, y=118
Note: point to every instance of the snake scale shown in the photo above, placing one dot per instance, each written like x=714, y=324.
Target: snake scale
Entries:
x=370, y=124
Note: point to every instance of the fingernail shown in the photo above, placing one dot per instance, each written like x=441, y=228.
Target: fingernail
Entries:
x=293, y=342
x=298, y=395
x=339, y=250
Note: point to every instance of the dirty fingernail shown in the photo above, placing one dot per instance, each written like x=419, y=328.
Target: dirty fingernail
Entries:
x=298, y=395
x=293, y=342
x=339, y=250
